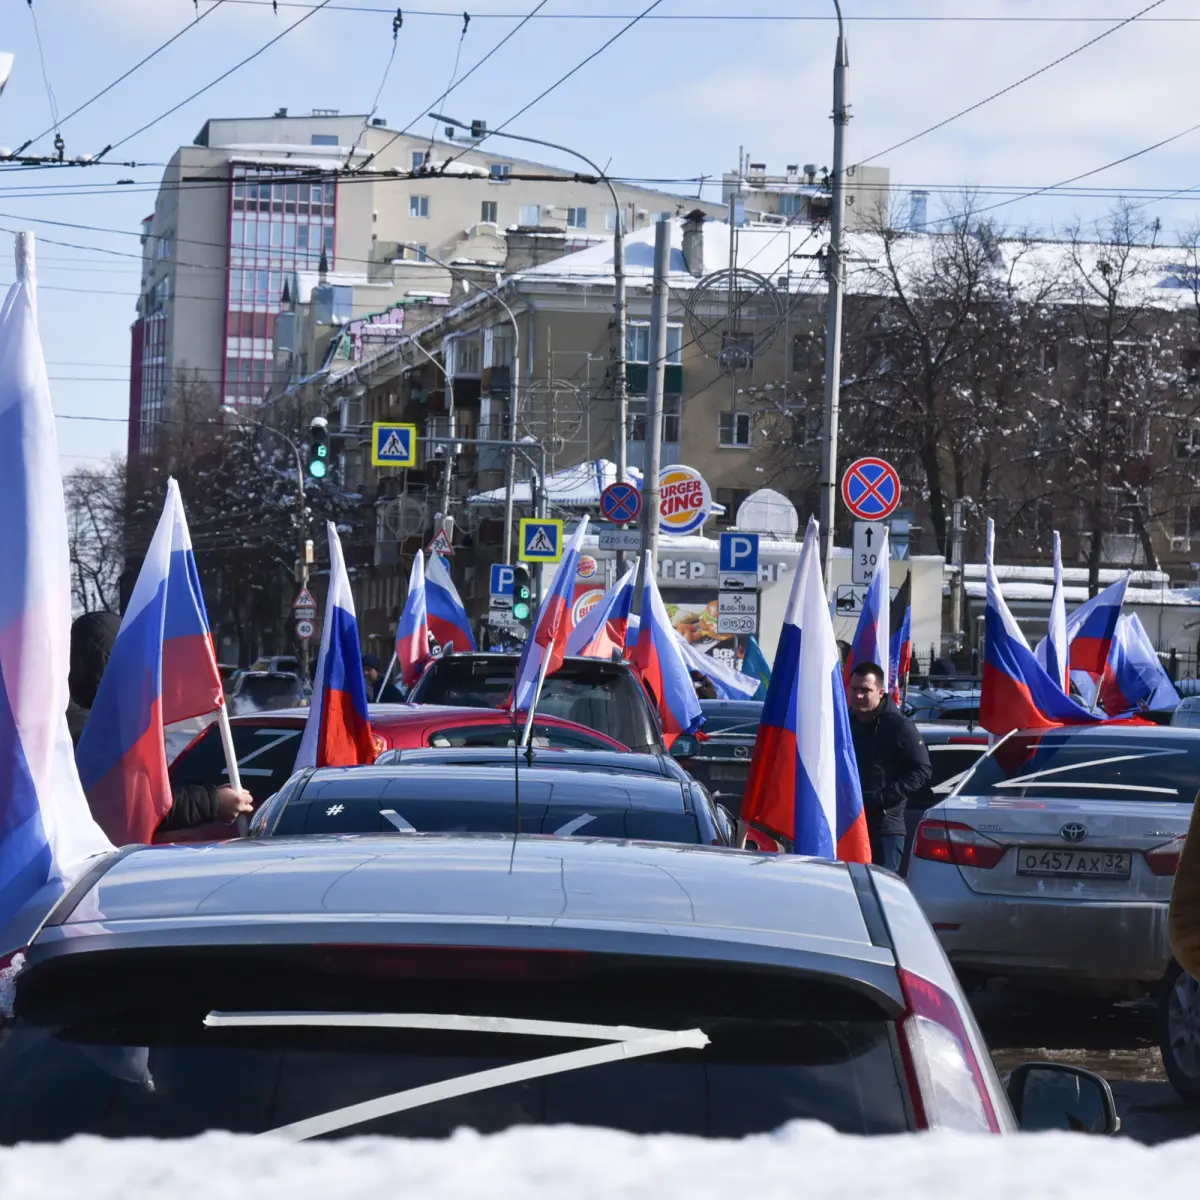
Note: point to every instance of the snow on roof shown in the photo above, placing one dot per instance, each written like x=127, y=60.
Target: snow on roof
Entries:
x=1040, y=593
x=1078, y=575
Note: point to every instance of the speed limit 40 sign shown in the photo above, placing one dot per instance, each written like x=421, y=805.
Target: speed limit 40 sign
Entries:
x=868, y=545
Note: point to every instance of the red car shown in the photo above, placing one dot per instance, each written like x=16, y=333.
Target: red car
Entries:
x=266, y=745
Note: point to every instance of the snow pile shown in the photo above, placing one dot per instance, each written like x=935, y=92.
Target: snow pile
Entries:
x=802, y=1160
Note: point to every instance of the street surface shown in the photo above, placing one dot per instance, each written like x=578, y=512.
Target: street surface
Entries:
x=1115, y=1040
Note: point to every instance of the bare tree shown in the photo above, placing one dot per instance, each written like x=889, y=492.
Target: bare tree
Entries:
x=95, y=503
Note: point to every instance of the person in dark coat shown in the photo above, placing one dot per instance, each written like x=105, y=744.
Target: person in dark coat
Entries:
x=373, y=670
x=893, y=762
x=92, y=638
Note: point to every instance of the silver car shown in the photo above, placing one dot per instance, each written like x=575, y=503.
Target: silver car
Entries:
x=388, y=985
x=1051, y=864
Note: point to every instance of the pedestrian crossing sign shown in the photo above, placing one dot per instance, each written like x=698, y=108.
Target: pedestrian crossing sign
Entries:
x=541, y=540
x=393, y=445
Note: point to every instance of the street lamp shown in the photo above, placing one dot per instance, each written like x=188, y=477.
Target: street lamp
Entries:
x=836, y=271
x=512, y=403
x=619, y=374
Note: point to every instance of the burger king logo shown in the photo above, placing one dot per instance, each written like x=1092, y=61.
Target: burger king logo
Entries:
x=685, y=500
x=588, y=567
x=586, y=603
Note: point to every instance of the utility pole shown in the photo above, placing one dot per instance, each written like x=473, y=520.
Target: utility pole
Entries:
x=654, y=399
x=835, y=267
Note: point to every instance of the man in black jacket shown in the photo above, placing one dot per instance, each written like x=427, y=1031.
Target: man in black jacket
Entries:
x=893, y=762
x=92, y=638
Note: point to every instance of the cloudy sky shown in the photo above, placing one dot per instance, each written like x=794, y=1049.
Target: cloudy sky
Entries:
x=674, y=97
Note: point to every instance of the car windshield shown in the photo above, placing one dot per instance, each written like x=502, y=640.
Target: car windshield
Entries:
x=546, y=736
x=1063, y=766
x=133, y=1046
x=732, y=718
x=258, y=693
x=266, y=757
x=598, y=695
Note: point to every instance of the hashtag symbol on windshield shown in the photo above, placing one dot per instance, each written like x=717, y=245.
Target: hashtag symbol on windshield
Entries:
x=335, y=810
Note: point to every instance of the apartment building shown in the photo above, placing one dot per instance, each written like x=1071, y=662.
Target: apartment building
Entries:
x=800, y=195
x=254, y=202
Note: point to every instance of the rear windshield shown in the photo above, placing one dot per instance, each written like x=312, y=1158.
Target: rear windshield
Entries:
x=740, y=719
x=545, y=736
x=266, y=758
x=484, y=816
x=598, y=696
x=259, y=693
x=1059, y=766
x=121, y=1049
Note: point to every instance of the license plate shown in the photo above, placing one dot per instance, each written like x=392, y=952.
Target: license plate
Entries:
x=735, y=772
x=1091, y=864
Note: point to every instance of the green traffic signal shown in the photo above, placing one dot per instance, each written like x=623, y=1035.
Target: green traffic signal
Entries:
x=318, y=450
x=317, y=468
x=520, y=610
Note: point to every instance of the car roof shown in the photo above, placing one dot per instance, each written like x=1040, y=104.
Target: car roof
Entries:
x=1105, y=731
x=566, y=893
x=448, y=781
x=403, y=713
x=622, y=762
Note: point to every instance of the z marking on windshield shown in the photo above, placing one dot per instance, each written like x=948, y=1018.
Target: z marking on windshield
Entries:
x=393, y=818
x=284, y=735
x=1041, y=777
x=575, y=825
x=624, y=1042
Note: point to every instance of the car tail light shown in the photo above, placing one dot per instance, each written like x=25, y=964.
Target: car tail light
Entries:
x=952, y=842
x=1164, y=859
x=947, y=1086
x=757, y=840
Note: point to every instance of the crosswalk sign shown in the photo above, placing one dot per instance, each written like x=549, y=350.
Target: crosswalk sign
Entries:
x=393, y=444
x=541, y=540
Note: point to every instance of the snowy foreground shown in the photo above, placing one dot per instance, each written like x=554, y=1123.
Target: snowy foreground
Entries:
x=806, y=1161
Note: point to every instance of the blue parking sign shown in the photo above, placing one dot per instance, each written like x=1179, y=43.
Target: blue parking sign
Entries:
x=502, y=580
x=739, y=552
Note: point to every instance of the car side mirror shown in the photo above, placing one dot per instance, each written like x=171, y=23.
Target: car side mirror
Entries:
x=683, y=746
x=1054, y=1096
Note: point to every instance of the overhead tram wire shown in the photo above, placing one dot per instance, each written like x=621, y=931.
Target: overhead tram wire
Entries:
x=558, y=82
x=1012, y=87
x=454, y=85
x=51, y=101
x=125, y=75
x=222, y=77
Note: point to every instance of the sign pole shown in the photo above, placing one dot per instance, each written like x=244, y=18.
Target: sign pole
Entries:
x=654, y=401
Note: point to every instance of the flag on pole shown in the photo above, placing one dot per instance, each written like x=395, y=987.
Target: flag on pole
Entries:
x=47, y=833
x=1134, y=678
x=803, y=781
x=900, y=641
x=1016, y=692
x=872, y=638
x=338, y=730
x=546, y=645
x=657, y=658
x=444, y=610
x=1092, y=626
x=162, y=669
x=754, y=664
x=727, y=682
x=1057, y=648
x=603, y=632
x=412, y=633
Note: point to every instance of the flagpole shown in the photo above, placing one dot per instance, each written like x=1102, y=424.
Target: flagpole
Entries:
x=387, y=675
x=537, y=693
x=231, y=762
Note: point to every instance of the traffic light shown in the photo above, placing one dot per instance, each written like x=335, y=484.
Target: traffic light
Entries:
x=522, y=607
x=318, y=448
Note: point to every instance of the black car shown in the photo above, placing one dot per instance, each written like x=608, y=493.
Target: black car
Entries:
x=607, y=762
x=411, y=799
x=266, y=691
x=594, y=692
x=720, y=757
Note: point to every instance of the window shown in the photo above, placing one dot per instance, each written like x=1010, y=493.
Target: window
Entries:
x=499, y=171
x=1187, y=520
x=324, y=139
x=419, y=159
x=637, y=343
x=163, y=246
x=488, y=212
x=418, y=206
x=610, y=220
x=531, y=214
x=672, y=406
x=730, y=499
x=791, y=205
x=735, y=429
x=738, y=348
x=501, y=346
x=418, y=252
x=576, y=218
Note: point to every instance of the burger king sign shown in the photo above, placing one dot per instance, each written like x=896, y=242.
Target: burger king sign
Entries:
x=685, y=500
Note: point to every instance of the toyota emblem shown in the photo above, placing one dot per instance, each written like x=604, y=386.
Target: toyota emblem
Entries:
x=1073, y=832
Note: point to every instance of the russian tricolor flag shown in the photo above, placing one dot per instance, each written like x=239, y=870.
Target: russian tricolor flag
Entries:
x=546, y=646
x=602, y=633
x=803, y=781
x=162, y=669
x=657, y=658
x=447, y=617
x=1017, y=692
x=47, y=833
x=1092, y=626
x=338, y=730
x=872, y=639
x=900, y=642
x=1134, y=679
x=412, y=633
